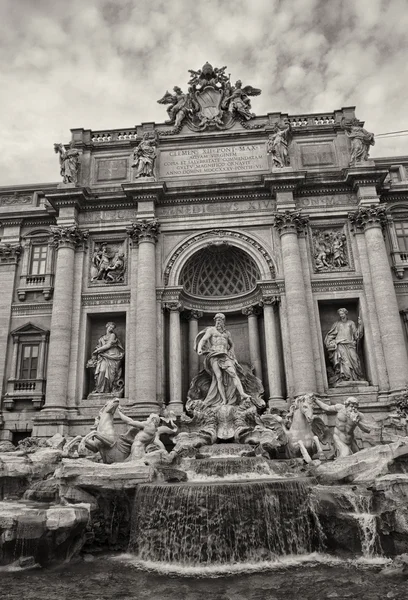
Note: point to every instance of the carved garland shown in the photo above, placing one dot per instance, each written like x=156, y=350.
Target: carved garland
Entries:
x=222, y=233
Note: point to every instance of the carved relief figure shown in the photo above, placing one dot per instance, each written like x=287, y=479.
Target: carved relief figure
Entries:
x=108, y=266
x=144, y=157
x=347, y=419
x=329, y=250
x=360, y=138
x=341, y=343
x=238, y=100
x=277, y=145
x=69, y=162
x=107, y=361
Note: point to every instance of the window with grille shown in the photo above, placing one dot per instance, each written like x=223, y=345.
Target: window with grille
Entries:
x=29, y=361
x=219, y=271
x=38, y=260
x=401, y=228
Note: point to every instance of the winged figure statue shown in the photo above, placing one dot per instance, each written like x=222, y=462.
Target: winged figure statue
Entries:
x=237, y=100
x=179, y=105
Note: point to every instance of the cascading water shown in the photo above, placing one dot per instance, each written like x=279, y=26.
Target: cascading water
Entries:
x=223, y=523
x=362, y=504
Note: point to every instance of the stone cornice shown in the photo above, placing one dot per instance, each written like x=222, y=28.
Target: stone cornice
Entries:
x=68, y=236
x=173, y=306
x=332, y=285
x=102, y=299
x=364, y=174
x=290, y=222
x=44, y=308
x=368, y=216
x=284, y=180
x=68, y=196
x=144, y=231
x=144, y=190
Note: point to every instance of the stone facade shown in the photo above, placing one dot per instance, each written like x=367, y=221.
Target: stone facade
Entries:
x=213, y=223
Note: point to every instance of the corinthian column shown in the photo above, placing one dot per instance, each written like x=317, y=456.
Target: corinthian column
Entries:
x=145, y=234
x=175, y=375
x=254, y=345
x=193, y=358
x=289, y=225
x=65, y=240
x=370, y=219
x=273, y=352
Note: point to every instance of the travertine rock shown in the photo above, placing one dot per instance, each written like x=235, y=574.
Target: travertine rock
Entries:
x=89, y=475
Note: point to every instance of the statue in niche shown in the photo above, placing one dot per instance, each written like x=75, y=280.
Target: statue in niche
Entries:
x=107, y=266
x=107, y=361
x=347, y=419
x=144, y=156
x=237, y=100
x=277, y=145
x=360, y=138
x=221, y=364
x=341, y=342
x=329, y=250
x=69, y=162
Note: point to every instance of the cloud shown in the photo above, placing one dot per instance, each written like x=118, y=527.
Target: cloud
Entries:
x=104, y=63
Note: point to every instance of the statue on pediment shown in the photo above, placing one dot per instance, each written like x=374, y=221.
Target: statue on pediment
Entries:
x=69, y=162
x=144, y=156
x=211, y=102
x=360, y=138
x=238, y=101
x=277, y=145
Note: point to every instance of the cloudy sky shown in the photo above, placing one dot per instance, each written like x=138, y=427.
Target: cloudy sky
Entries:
x=102, y=64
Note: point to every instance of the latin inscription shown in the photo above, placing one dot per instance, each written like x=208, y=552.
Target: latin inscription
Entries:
x=216, y=208
x=209, y=161
x=112, y=168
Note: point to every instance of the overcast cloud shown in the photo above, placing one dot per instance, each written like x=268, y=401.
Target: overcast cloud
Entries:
x=102, y=64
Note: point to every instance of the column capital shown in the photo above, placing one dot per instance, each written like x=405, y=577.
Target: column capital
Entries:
x=70, y=236
x=173, y=306
x=144, y=231
x=270, y=301
x=194, y=315
x=290, y=221
x=368, y=216
x=9, y=253
x=250, y=311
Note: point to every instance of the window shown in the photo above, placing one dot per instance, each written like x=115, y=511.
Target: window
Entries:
x=401, y=229
x=29, y=361
x=38, y=260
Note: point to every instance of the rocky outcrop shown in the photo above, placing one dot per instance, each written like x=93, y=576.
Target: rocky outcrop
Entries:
x=364, y=466
x=30, y=531
x=88, y=475
x=18, y=469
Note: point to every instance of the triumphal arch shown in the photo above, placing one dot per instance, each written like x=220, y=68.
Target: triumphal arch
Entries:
x=280, y=222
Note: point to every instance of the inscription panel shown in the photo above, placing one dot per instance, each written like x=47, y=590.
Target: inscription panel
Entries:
x=243, y=158
x=317, y=155
x=110, y=169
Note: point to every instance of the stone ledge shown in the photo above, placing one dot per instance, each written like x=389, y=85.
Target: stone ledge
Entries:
x=90, y=475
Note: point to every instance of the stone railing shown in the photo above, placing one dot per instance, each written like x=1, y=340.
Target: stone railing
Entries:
x=312, y=120
x=24, y=389
x=113, y=136
x=35, y=283
x=400, y=262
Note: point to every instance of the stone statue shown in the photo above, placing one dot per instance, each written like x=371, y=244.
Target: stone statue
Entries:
x=361, y=140
x=221, y=364
x=347, y=419
x=107, y=361
x=148, y=439
x=144, y=157
x=237, y=100
x=108, y=266
x=179, y=106
x=69, y=163
x=341, y=343
x=277, y=145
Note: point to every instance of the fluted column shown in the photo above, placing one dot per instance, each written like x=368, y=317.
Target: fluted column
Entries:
x=370, y=220
x=254, y=346
x=145, y=233
x=193, y=358
x=273, y=351
x=65, y=240
x=175, y=375
x=289, y=224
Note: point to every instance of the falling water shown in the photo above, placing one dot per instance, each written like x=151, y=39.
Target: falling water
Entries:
x=362, y=504
x=233, y=465
x=222, y=523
